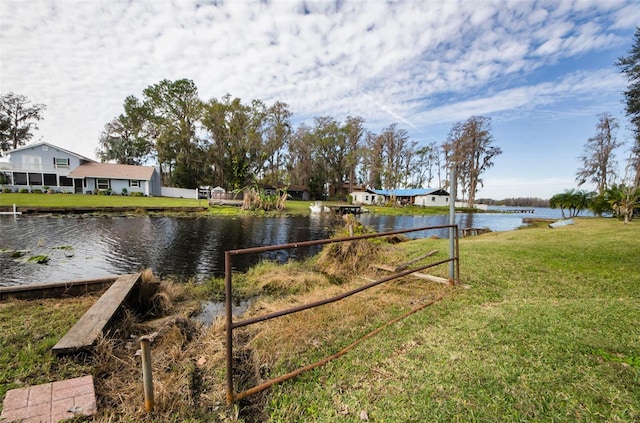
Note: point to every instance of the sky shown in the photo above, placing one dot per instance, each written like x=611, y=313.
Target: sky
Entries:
x=541, y=70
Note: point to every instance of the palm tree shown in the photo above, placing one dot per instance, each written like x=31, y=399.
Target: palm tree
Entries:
x=574, y=200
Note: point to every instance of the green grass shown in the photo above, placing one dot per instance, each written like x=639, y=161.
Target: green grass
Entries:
x=293, y=207
x=29, y=330
x=549, y=332
x=84, y=200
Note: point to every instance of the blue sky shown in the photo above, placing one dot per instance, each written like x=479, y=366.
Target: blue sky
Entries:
x=541, y=70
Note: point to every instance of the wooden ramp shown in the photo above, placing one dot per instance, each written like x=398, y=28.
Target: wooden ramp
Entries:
x=92, y=324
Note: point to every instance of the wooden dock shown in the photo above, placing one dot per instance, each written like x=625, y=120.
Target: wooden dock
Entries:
x=530, y=211
x=341, y=210
x=91, y=325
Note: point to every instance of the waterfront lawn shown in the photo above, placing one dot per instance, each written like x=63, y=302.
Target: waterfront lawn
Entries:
x=86, y=200
x=29, y=330
x=549, y=331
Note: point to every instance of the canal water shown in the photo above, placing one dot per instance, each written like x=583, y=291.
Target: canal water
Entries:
x=184, y=248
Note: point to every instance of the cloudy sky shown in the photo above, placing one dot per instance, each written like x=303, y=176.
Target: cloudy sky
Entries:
x=541, y=70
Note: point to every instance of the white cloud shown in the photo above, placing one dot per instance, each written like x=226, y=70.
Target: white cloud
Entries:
x=416, y=63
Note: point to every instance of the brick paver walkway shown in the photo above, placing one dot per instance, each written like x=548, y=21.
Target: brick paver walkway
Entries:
x=51, y=402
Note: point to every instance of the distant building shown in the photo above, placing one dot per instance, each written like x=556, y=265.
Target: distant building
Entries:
x=426, y=197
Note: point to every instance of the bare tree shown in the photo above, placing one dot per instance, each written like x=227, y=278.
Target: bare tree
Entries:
x=470, y=148
x=598, y=158
x=17, y=120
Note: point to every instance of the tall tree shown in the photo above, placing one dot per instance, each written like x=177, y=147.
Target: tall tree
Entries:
x=354, y=131
x=173, y=110
x=278, y=132
x=397, y=150
x=425, y=165
x=598, y=158
x=18, y=119
x=126, y=139
x=234, y=145
x=372, y=160
x=331, y=152
x=630, y=67
x=470, y=148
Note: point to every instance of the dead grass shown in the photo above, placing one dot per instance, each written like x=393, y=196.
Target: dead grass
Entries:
x=188, y=359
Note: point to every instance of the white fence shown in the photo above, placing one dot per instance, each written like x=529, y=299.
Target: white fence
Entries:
x=179, y=192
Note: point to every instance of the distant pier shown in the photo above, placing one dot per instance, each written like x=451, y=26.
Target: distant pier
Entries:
x=346, y=209
x=520, y=211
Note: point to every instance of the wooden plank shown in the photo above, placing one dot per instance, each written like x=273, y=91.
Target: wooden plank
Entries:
x=92, y=324
x=384, y=267
x=417, y=259
x=55, y=290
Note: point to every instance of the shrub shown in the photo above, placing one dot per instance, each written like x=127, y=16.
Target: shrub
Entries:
x=103, y=192
x=124, y=191
x=37, y=191
x=137, y=194
x=23, y=190
x=7, y=190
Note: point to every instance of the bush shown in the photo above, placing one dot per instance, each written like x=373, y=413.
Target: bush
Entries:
x=7, y=190
x=124, y=191
x=37, y=191
x=103, y=192
x=137, y=194
x=23, y=190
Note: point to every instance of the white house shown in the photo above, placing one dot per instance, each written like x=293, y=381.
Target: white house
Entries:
x=426, y=197
x=43, y=165
x=366, y=197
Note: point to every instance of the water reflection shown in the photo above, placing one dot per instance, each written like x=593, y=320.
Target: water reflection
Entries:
x=181, y=247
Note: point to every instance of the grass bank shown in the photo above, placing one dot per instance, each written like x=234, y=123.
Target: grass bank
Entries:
x=547, y=332
x=293, y=207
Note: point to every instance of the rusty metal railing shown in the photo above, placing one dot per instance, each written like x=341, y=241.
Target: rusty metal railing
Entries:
x=231, y=325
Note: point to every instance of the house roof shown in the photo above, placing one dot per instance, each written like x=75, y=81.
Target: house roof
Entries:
x=38, y=144
x=413, y=192
x=112, y=171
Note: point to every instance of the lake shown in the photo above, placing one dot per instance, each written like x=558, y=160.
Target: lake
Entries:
x=91, y=247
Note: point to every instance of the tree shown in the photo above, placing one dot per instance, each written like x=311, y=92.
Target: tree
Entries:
x=126, y=139
x=18, y=119
x=278, y=133
x=630, y=67
x=426, y=160
x=234, y=142
x=331, y=153
x=573, y=200
x=623, y=200
x=173, y=109
x=598, y=158
x=354, y=131
x=470, y=148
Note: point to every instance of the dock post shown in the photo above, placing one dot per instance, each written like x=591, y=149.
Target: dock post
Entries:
x=147, y=376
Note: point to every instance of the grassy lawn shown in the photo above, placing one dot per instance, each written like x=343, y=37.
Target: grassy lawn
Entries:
x=549, y=331
x=293, y=207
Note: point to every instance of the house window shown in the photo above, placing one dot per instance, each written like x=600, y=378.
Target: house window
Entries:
x=134, y=184
x=433, y=198
x=366, y=198
x=103, y=184
x=61, y=162
x=66, y=182
x=20, y=178
x=35, y=179
x=50, y=179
